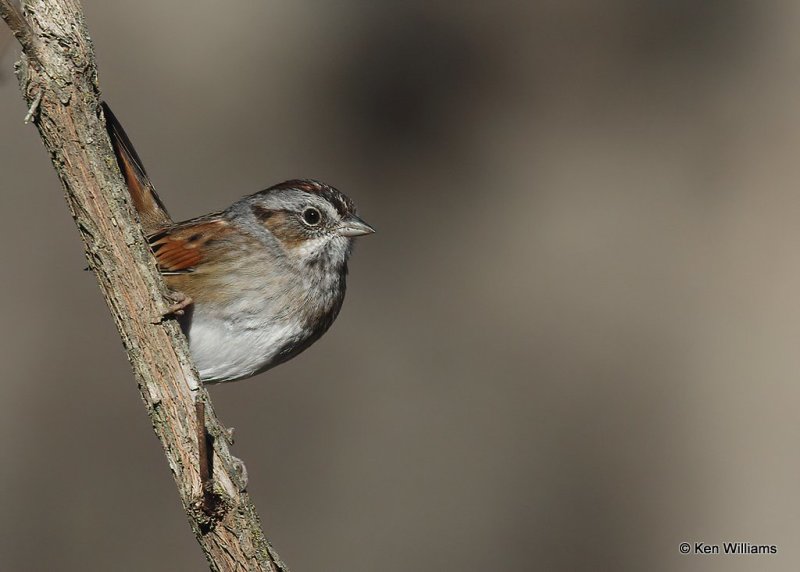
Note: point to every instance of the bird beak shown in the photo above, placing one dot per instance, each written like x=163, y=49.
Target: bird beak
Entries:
x=354, y=226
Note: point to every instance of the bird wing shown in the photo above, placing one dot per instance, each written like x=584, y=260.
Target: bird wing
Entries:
x=181, y=248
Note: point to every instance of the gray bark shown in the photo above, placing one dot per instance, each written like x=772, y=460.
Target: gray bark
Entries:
x=58, y=70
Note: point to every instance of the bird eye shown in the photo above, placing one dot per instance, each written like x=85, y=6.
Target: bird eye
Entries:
x=311, y=216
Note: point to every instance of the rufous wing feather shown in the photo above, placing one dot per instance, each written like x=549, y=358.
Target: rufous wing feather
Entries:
x=146, y=201
x=182, y=248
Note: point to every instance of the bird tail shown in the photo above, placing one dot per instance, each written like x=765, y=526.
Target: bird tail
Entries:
x=152, y=212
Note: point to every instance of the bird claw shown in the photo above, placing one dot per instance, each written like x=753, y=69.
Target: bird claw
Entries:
x=180, y=302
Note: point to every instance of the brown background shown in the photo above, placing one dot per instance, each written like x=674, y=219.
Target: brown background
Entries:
x=572, y=345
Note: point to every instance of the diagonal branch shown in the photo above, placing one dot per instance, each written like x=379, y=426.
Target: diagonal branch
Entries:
x=58, y=71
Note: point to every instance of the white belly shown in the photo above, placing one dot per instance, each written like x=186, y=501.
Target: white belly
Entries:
x=225, y=351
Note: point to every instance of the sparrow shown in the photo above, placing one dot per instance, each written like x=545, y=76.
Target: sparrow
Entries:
x=261, y=280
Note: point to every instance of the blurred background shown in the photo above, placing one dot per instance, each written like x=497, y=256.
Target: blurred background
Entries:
x=572, y=345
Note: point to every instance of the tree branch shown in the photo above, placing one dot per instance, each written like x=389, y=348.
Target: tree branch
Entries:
x=58, y=78
x=22, y=32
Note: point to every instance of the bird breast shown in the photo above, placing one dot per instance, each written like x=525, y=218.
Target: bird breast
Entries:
x=247, y=327
x=230, y=348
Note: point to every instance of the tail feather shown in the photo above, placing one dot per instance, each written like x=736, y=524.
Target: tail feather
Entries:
x=152, y=211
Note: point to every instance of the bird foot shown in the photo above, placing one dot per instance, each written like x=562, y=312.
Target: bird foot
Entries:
x=180, y=302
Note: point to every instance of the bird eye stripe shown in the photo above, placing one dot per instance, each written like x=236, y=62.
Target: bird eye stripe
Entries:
x=262, y=213
x=342, y=203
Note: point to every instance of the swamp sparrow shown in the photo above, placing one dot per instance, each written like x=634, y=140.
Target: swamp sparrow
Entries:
x=262, y=280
